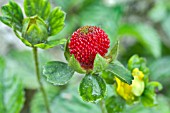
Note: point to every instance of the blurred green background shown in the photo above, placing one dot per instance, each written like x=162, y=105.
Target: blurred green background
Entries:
x=142, y=26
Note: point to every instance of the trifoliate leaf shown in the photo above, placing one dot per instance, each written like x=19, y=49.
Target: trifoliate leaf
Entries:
x=55, y=21
x=37, y=7
x=58, y=73
x=12, y=15
x=121, y=72
x=92, y=88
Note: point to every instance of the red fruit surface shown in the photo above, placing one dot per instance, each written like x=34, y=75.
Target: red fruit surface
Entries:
x=86, y=42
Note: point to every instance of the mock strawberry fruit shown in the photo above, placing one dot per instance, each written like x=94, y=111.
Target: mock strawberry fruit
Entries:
x=86, y=42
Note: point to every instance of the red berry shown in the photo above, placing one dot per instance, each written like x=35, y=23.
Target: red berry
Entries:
x=86, y=42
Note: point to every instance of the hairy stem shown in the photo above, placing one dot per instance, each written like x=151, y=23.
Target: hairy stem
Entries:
x=39, y=79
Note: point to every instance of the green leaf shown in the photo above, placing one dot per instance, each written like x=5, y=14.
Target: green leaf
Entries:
x=121, y=72
x=73, y=63
x=55, y=21
x=50, y=44
x=92, y=88
x=11, y=92
x=149, y=96
x=37, y=7
x=58, y=73
x=12, y=15
x=115, y=104
x=145, y=34
x=22, y=39
x=108, y=77
x=113, y=52
x=100, y=63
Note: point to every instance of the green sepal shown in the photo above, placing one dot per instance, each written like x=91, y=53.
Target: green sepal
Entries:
x=66, y=50
x=55, y=21
x=50, y=44
x=108, y=77
x=92, y=88
x=12, y=15
x=121, y=72
x=57, y=73
x=100, y=63
x=112, y=55
x=22, y=39
x=115, y=104
x=148, y=98
x=37, y=7
x=73, y=63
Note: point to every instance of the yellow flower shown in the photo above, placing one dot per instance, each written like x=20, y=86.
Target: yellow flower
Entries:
x=130, y=92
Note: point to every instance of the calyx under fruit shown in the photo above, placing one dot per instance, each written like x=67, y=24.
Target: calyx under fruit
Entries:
x=86, y=42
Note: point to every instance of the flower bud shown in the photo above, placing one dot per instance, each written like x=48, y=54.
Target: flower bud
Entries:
x=34, y=30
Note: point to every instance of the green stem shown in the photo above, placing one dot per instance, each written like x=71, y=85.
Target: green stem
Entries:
x=102, y=106
x=39, y=79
